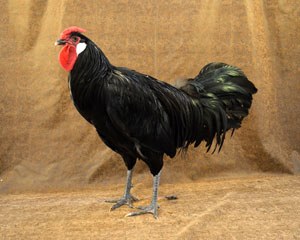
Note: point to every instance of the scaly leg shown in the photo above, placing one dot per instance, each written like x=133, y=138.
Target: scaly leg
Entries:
x=127, y=198
x=152, y=208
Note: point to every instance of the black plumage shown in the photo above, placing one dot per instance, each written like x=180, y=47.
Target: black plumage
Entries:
x=140, y=117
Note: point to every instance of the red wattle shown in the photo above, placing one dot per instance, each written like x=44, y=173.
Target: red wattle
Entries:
x=67, y=57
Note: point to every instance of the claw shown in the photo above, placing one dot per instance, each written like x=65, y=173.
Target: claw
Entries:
x=147, y=209
x=123, y=201
x=134, y=199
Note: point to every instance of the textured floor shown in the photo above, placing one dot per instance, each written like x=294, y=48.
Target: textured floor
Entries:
x=252, y=207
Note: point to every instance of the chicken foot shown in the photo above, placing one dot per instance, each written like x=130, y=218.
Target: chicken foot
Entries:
x=127, y=198
x=153, y=207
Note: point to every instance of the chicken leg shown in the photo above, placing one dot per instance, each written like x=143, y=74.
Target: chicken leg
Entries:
x=127, y=198
x=152, y=208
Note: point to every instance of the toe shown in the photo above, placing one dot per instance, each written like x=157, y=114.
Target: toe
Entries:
x=148, y=209
x=134, y=199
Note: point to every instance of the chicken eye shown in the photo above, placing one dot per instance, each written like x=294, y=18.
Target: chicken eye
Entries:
x=74, y=39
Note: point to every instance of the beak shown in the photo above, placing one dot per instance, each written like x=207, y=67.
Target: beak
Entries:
x=60, y=42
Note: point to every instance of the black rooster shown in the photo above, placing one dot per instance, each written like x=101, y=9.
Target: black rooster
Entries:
x=139, y=117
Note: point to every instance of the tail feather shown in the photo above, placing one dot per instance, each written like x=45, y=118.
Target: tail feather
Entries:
x=225, y=94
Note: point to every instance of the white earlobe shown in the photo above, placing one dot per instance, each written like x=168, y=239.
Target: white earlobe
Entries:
x=80, y=48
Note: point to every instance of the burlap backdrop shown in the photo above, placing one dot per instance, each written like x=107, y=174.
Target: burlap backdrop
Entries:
x=46, y=144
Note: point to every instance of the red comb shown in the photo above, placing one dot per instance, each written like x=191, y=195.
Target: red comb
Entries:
x=69, y=30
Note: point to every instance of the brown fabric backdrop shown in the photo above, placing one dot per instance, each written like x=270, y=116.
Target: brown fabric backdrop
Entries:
x=45, y=144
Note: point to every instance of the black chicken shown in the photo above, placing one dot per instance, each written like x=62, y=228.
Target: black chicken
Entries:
x=139, y=117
